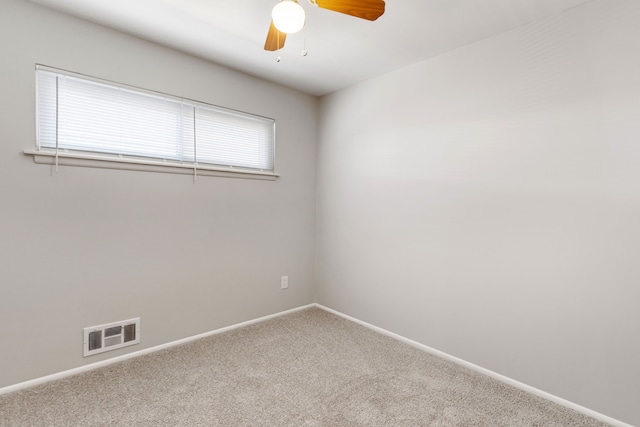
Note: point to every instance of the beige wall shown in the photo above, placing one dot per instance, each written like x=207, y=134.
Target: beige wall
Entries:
x=90, y=246
x=486, y=203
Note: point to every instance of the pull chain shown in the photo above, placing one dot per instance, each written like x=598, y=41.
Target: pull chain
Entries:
x=304, y=41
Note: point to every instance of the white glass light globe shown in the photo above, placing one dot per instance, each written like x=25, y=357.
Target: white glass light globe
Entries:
x=288, y=16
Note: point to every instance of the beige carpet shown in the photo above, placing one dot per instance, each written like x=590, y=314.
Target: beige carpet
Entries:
x=309, y=368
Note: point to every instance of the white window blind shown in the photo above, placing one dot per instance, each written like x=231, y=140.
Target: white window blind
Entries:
x=81, y=114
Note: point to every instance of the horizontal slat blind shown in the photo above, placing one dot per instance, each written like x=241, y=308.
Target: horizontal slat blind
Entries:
x=81, y=114
x=226, y=138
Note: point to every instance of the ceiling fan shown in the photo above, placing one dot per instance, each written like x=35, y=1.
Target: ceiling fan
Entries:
x=288, y=16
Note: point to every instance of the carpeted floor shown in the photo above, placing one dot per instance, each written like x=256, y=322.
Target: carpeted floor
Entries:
x=309, y=368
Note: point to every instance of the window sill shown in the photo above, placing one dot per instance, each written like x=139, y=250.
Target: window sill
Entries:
x=66, y=158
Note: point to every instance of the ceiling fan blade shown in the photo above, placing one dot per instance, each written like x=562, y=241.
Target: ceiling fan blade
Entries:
x=365, y=9
x=275, y=39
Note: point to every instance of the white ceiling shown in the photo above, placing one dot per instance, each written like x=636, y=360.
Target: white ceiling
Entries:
x=343, y=50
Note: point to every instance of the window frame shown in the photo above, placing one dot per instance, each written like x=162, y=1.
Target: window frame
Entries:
x=59, y=156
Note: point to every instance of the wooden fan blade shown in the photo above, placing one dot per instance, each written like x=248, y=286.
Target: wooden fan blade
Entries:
x=365, y=9
x=275, y=39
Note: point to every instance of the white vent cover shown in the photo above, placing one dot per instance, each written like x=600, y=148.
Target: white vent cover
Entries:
x=98, y=339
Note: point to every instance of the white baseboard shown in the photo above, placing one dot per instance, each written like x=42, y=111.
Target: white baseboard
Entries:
x=92, y=366
x=499, y=377
x=593, y=414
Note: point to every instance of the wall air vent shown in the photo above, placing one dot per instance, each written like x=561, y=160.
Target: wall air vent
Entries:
x=98, y=339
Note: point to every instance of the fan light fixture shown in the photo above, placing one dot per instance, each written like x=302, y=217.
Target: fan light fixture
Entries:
x=288, y=16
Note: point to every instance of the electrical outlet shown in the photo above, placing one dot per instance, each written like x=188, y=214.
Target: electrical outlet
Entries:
x=284, y=282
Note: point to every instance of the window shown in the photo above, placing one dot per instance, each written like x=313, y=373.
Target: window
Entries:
x=82, y=117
